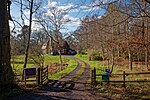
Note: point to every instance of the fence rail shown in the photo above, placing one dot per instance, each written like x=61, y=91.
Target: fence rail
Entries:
x=94, y=81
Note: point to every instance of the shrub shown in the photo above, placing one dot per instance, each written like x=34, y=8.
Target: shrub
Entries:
x=95, y=56
x=83, y=52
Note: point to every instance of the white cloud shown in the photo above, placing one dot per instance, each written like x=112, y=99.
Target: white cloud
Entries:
x=49, y=13
x=93, y=6
x=89, y=7
x=59, y=7
x=35, y=26
x=75, y=10
x=103, y=1
x=54, y=7
x=11, y=25
x=73, y=21
x=27, y=12
x=65, y=7
x=99, y=17
x=70, y=17
x=52, y=4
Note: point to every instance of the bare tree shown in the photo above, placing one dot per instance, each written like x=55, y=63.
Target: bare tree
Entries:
x=123, y=30
x=29, y=34
x=52, y=22
x=6, y=72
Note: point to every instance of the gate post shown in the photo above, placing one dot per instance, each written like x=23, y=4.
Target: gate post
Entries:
x=92, y=77
x=47, y=72
x=94, y=74
x=124, y=76
x=38, y=77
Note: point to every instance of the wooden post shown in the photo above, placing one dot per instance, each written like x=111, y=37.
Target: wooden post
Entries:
x=92, y=77
x=41, y=75
x=124, y=76
x=24, y=77
x=25, y=80
x=94, y=74
x=38, y=76
x=47, y=72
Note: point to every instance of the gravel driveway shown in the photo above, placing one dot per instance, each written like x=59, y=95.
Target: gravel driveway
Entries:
x=56, y=90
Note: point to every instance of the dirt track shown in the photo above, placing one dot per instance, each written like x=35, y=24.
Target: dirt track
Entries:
x=55, y=90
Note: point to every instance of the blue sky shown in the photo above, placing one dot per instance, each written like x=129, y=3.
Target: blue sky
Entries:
x=80, y=9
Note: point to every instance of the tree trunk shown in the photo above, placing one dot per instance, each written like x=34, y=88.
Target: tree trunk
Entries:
x=112, y=62
x=146, y=57
x=6, y=72
x=47, y=47
x=28, y=42
x=61, y=62
x=138, y=64
x=118, y=51
x=130, y=58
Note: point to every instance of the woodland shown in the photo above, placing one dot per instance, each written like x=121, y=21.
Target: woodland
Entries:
x=122, y=33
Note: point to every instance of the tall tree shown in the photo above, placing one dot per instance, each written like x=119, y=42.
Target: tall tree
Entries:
x=6, y=72
x=52, y=21
x=29, y=34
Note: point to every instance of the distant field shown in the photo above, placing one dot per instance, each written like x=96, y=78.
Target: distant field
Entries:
x=17, y=62
x=102, y=65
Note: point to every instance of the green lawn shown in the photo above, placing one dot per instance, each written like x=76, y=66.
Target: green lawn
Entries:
x=17, y=62
x=71, y=66
x=100, y=67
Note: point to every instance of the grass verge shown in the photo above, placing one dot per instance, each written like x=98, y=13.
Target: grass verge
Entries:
x=71, y=66
x=79, y=72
